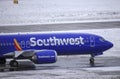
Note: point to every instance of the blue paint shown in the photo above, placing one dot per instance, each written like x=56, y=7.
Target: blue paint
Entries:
x=77, y=43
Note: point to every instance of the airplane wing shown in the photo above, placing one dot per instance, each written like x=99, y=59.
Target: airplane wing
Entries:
x=37, y=56
x=19, y=52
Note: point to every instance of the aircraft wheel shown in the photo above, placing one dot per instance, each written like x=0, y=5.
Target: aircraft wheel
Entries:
x=13, y=63
x=92, y=61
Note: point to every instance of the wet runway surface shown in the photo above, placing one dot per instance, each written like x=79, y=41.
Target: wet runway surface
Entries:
x=82, y=61
x=59, y=27
x=67, y=67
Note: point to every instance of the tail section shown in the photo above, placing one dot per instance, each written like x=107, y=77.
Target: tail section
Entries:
x=17, y=46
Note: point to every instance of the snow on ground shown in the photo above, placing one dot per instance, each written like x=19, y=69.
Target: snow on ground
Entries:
x=104, y=69
x=54, y=74
x=56, y=11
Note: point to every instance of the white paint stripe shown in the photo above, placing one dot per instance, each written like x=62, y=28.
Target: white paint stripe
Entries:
x=103, y=69
x=94, y=31
x=62, y=22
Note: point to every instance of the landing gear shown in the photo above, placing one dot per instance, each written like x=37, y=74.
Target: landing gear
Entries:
x=2, y=64
x=2, y=61
x=92, y=62
x=13, y=63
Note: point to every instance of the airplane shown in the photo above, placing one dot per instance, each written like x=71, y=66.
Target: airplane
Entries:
x=44, y=47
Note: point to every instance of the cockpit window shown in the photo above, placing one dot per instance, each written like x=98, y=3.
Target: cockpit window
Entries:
x=102, y=39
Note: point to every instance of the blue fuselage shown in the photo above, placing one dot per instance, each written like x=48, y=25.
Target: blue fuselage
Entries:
x=63, y=43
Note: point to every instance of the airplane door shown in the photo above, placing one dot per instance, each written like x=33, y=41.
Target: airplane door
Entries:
x=27, y=44
x=92, y=41
x=22, y=44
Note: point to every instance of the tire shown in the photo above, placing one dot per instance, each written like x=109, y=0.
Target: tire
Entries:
x=92, y=62
x=13, y=63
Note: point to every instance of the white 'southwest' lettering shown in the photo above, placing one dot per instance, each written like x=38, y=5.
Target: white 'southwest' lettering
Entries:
x=53, y=41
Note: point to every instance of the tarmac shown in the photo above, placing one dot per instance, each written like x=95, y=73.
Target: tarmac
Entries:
x=59, y=27
x=67, y=67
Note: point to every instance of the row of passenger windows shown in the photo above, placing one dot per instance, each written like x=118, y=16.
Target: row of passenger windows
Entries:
x=23, y=44
x=6, y=44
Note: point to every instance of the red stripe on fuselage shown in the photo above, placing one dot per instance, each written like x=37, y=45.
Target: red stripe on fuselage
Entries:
x=17, y=46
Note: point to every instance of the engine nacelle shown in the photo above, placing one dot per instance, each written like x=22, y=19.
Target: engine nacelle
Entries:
x=44, y=57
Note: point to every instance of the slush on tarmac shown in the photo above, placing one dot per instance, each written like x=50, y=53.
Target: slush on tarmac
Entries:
x=43, y=12
x=107, y=66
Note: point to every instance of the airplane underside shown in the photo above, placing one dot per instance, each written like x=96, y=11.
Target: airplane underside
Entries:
x=53, y=59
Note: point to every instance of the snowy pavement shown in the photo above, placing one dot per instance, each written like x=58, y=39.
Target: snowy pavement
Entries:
x=29, y=12
x=57, y=11
x=70, y=67
x=107, y=66
x=104, y=69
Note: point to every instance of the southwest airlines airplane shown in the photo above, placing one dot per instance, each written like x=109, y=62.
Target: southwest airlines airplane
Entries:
x=44, y=47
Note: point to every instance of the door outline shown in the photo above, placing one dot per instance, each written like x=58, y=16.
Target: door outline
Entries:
x=92, y=41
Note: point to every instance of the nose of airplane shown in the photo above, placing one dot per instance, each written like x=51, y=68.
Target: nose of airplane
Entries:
x=108, y=45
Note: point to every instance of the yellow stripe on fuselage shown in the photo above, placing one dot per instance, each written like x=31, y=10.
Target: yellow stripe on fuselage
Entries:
x=17, y=46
